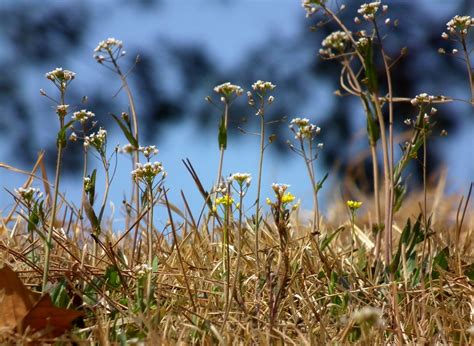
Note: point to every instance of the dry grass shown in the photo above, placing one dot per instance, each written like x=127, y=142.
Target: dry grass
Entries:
x=311, y=291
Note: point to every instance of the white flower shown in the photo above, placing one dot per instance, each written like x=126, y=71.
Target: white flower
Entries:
x=280, y=188
x=147, y=172
x=148, y=151
x=227, y=89
x=127, y=149
x=460, y=25
x=368, y=11
x=97, y=140
x=60, y=75
x=335, y=43
x=82, y=116
x=444, y=35
x=73, y=137
x=262, y=86
x=304, y=128
x=369, y=315
x=108, y=45
x=311, y=6
x=241, y=178
x=28, y=194
x=422, y=98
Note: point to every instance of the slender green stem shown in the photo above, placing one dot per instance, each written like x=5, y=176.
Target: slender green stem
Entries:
x=49, y=237
x=150, y=243
x=259, y=187
x=222, y=147
x=469, y=68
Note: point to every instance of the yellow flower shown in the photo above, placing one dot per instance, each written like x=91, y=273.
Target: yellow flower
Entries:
x=225, y=200
x=354, y=205
x=287, y=198
x=269, y=201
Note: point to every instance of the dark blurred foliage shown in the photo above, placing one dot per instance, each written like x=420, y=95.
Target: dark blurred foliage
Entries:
x=37, y=35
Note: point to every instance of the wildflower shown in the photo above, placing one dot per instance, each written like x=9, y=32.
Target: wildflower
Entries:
x=444, y=35
x=441, y=51
x=73, y=137
x=96, y=140
x=82, y=116
x=459, y=25
x=370, y=315
x=287, y=198
x=88, y=184
x=320, y=145
x=263, y=86
x=28, y=194
x=280, y=188
x=455, y=51
x=127, y=149
x=387, y=21
x=354, y=205
x=147, y=172
x=335, y=43
x=362, y=42
x=407, y=122
x=443, y=133
x=108, y=45
x=271, y=99
x=241, y=178
x=356, y=20
x=368, y=11
x=148, y=151
x=311, y=6
x=422, y=98
x=225, y=200
x=60, y=75
x=62, y=110
x=304, y=128
x=227, y=90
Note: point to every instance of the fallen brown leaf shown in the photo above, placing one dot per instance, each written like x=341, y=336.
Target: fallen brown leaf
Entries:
x=22, y=308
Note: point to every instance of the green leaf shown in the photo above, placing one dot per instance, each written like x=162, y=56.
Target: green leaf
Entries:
x=126, y=131
x=320, y=183
x=400, y=192
x=329, y=238
x=372, y=130
x=441, y=259
x=61, y=139
x=370, y=70
x=59, y=295
x=92, y=216
x=222, y=137
x=112, y=277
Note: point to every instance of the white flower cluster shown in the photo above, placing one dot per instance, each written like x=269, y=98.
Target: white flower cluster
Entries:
x=280, y=188
x=148, y=171
x=62, y=110
x=370, y=315
x=362, y=42
x=335, y=42
x=459, y=24
x=369, y=10
x=88, y=184
x=126, y=149
x=28, y=194
x=82, y=116
x=304, y=128
x=262, y=86
x=422, y=98
x=148, y=151
x=227, y=89
x=97, y=140
x=60, y=75
x=108, y=45
x=142, y=269
x=311, y=6
x=241, y=178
